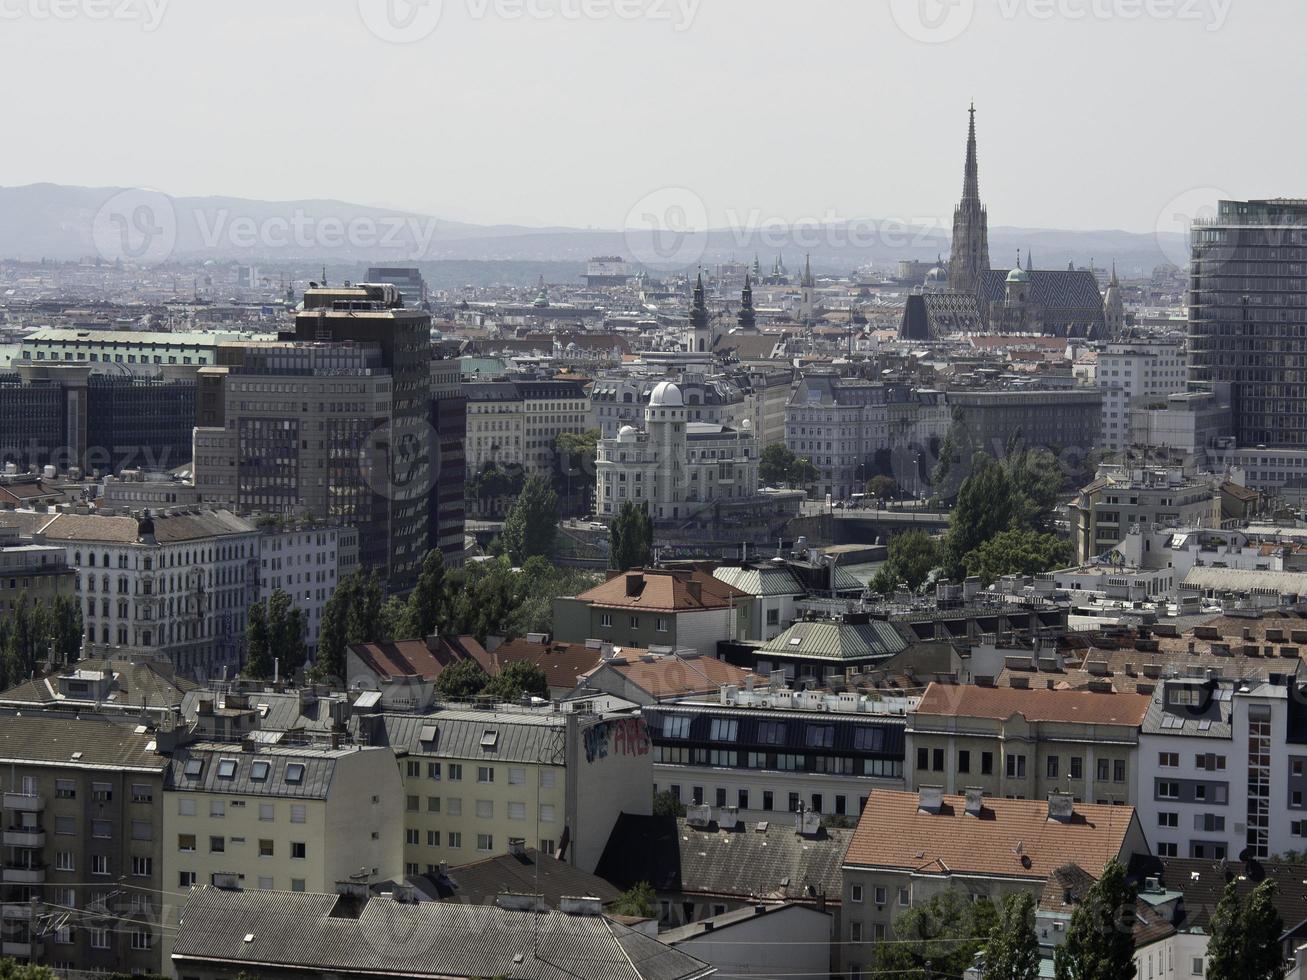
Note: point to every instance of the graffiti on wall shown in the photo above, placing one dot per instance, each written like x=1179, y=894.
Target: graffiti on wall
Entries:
x=621, y=736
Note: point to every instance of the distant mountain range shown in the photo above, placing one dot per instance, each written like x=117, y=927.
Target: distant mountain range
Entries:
x=60, y=222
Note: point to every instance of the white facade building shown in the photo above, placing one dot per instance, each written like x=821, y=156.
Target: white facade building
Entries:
x=677, y=467
x=1220, y=774
x=176, y=586
x=1128, y=372
x=839, y=424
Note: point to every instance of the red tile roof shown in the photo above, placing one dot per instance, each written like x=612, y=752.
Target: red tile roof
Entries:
x=676, y=676
x=1012, y=838
x=563, y=663
x=663, y=590
x=419, y=658
x=1001, y=703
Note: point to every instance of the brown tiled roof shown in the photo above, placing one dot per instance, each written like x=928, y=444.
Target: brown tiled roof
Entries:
x=676, y=676
x=125, y=530
x=1001, y=703
x=563, y=663
x=1010, y=837
x=660, y=590
x=406, y=658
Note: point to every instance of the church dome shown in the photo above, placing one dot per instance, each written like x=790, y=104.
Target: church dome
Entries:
x=1018, y=275
x=666, y=395
x=937, y=274
x=627, y=433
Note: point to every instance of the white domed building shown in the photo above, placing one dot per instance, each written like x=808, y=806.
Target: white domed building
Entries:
x=680, y=469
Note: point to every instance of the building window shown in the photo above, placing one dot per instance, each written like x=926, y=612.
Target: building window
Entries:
x=455, y=772
x=1052, y=767
x=142, y=867
x=297, y=813
x=987, y=763
x=297, y=884
x=485, y=774
x=964, y=761
x=298, y=849
x=186, y=843
x=267, y=811
x=455, y=839
x=411, y=804
x=855, y=893
x=217, y=845
x=99, y=864
x=485, y=842
x=265, y=847
x=485, y=809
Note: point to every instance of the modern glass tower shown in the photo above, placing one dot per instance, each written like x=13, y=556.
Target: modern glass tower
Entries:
x=1248, y=316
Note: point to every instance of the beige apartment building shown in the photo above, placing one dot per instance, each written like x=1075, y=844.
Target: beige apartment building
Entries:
x=82, y=885
x=290, y=818
x=477, y=782
x=1026, y=743
x=518, y=422
x=909, y=847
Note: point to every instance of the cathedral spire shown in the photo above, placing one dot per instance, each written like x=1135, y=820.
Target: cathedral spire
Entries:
x=971, y=176
x=807, y=279
x=969, y=257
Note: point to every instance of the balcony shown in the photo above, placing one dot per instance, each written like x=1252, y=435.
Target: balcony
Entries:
x=21, y=951
x=27, y=802
x=24, y=837
x=23, y=874
x=17, y=910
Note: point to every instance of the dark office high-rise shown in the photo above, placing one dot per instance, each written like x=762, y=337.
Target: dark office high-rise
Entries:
x=1248, y=316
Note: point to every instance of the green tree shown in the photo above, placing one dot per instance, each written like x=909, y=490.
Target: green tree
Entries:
x=461, y=681
x=68, y=628
x=532, y=522
x=910, y=558
x=1100, y=940
x=882, y=487
x=665, y=804
x=803, y=473
x=333, y=631
x=630, y=537
x=1012, y=952
x=937, y=938
x=11, y=969
x=775, y=465
x=985, y=506
x=516, y=679
x=427, y=601
x=1017, y=552
x=285, y=631
x=639, y=900
x=574, y=475
x=258, y=643
x=1245, y=936
x=1038, y=478
x=363, y=622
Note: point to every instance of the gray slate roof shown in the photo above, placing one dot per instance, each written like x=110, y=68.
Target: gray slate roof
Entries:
x=426, y=939
x=745, y=863
x=315, y=783
x=845, y=642
x=42, y=739
x=530, y=873
x=137, y=683
x=458, y=735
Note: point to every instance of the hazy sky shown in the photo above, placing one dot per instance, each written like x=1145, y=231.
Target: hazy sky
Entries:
x=1091, y=113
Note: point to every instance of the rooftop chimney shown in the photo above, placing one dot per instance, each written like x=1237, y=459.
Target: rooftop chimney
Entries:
x=1061, y=807
x=975, y=800
x=931, y=799
x=582, y=905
